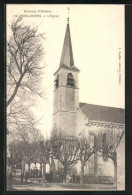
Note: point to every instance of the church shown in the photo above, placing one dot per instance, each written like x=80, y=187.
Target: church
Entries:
x=76, y=118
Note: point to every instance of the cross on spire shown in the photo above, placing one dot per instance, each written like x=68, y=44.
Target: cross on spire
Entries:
x=67, y=55
x=68, y=9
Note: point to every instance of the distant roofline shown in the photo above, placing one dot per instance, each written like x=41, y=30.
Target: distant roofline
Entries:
x=103, y=113
x=101, y=105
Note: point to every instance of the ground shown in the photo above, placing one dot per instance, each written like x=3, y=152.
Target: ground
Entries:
x=15, y=184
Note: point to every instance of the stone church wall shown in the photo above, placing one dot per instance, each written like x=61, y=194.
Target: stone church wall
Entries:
x=68, y=122
x=55, y=122
x=56, y=103
x=69, y=99
x=121, y=165
x=63, y=77
x=65, y=122
x=82, y=120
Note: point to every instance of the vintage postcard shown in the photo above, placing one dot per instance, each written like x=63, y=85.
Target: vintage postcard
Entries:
x=65, y=69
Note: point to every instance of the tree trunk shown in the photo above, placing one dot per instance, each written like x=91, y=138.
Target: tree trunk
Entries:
x=64, y=175
x=15, y=90
x=10, y=171
x=82, y=173
x=22, y=177
x=115, y=174
x=28, y=168
x=44, y=174
x=22, y=170
x=95, y=169
x=95, y=159
x=51, y=164
x=41, y=167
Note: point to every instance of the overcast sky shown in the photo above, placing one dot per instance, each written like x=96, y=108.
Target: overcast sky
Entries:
x=97, y=33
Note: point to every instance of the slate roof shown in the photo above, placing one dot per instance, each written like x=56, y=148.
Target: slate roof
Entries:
x=74, y=68
x=67, y=54
x=103, y=113
x=69, y=68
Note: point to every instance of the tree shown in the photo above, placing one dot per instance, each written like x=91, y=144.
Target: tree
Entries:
x=65, y=149
x=17, y=156
x=110, y=142
x=25, y=54
x=87, y=149
x=30, y=148
x=25, y=71
x=44, y=152
x=24, y=148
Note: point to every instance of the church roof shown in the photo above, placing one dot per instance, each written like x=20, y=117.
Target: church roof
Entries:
x=67, y=55
x=67, y=61
x=73, y=68
x=103, y=113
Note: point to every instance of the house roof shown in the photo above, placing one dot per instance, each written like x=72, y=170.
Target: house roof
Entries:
x=103, y=113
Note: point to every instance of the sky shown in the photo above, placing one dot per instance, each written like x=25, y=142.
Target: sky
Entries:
x=97, y=35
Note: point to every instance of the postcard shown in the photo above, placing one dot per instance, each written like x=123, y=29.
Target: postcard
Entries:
x=65, y=83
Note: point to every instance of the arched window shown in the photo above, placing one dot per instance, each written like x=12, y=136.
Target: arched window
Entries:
x=70, y=80
x=57, y=81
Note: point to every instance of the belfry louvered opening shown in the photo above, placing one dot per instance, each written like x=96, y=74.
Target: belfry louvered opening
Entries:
x=70, y=80
x=57, y=82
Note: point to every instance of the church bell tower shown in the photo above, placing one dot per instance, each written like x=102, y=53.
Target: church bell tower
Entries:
x=66, y=90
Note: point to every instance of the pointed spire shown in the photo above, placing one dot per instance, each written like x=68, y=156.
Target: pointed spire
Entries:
x=67, y=55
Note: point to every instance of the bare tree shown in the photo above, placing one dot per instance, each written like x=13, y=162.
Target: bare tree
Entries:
x=108, y=147
x=30, y=148
x=23, y=148
x=87, y=148
x=22, y=127
x=24, y=54
x=25, y=71
x=65, y=149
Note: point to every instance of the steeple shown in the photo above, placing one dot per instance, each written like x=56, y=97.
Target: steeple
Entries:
x=67, y=55
x=66, y=90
